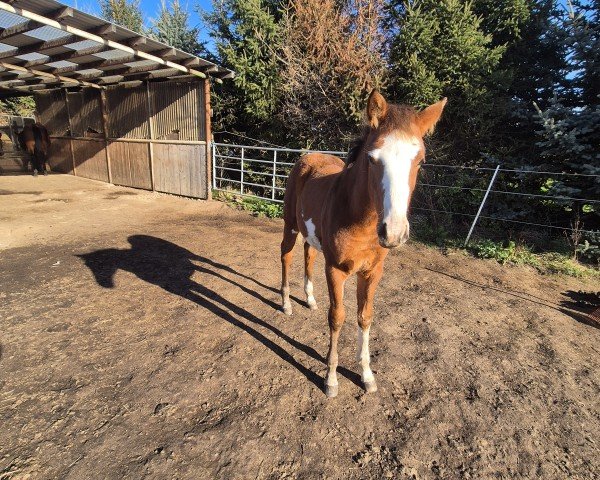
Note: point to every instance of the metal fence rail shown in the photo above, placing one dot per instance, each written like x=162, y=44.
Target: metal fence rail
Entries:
x=273, y=165
x=260, y=172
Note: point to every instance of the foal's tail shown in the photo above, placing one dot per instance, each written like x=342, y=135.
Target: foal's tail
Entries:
x=290, y=232
x=298, y=175
x=290, y=200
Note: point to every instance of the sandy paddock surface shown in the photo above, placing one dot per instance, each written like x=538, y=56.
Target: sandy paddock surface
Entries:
x=140, y=338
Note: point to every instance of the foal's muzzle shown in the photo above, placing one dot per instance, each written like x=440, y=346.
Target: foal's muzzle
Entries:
x=393, y=235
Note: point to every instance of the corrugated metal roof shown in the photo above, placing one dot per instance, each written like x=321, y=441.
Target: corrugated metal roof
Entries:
x=47, y=33
x=8, y=19
x=42, y=35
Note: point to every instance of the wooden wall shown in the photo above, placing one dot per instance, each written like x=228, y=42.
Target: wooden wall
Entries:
x=153, y=136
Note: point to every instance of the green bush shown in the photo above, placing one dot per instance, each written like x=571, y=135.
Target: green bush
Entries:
x=495, y=250
x=589, y=249
x=263, y=208
x=258, y=206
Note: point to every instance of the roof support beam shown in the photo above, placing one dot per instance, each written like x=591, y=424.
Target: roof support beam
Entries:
x=144, y=75
x=61, y=14
x=39, y=47
x=136, y=42
x=104, y=30
x=145, y=71
x=47, y=75
x=65, y=56
x=167, y=53
x=5, y=76
x=34, y=81
x=15, y=30
x=101, y=64
x=90, y=36
x=196, y=62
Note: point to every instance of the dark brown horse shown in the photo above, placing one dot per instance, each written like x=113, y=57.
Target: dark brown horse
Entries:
x=354, y=212
x=34, y=139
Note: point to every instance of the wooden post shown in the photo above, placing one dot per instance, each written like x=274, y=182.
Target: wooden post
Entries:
x=104, y=109
x=208, y=130
x=151, y=130
x=64, y=90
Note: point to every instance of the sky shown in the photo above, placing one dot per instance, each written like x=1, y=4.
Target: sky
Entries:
x=150, y=9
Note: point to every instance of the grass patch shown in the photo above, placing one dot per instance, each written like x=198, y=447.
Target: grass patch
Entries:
x=257, y=206
x=518, y=254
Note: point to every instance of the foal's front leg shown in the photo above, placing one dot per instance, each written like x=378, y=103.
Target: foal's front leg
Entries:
x=335, y=284
x=366, y=285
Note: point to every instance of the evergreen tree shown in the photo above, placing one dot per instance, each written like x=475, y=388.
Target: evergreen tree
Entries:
x=439, y=48
x=534, y=67
x=172, y=27
x=583, y=49
x=569, y=133
x=126, y=13
x=569, y=137
x=248, y=38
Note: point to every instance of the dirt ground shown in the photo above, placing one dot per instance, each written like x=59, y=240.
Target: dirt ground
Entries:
x=140, y=337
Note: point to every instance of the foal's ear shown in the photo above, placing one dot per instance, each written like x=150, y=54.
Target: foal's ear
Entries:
x=430, y=116
x=376, y=108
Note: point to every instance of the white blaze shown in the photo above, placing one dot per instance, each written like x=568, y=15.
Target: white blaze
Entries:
x=396, y=155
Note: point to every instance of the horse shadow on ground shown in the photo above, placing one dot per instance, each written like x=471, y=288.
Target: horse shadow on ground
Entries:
x=171, y=267
x=583, y=307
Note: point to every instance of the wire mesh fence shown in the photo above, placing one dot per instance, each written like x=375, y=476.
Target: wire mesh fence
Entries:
x=457, y=196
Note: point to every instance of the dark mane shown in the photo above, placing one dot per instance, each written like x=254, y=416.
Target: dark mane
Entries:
x=398, y=117
x=355, y=148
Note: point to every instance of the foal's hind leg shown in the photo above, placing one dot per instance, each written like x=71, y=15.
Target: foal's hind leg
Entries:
x=365, y=292
x=287, y=247
x=310, y=253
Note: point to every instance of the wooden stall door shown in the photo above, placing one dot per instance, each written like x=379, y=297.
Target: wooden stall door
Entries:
x=60, y=158
x=130, y=164
x=180, y=169
x=90, y=159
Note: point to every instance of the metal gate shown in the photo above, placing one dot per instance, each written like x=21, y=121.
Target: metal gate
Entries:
x=258, y=172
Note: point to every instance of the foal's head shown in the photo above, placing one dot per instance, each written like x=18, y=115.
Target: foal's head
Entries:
x=395, y=150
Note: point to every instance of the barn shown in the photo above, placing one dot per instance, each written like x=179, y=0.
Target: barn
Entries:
x=120, y=107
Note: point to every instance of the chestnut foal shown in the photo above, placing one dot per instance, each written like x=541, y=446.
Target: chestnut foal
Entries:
x=354, y=212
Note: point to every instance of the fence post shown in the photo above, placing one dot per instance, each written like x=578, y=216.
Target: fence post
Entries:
x=242, y=173
x=274, y=173
x=482, y=204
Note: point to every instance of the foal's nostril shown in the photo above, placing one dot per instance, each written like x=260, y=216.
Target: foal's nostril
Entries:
x=382, y=231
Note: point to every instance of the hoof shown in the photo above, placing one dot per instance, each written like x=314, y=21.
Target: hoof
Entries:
x=331, y=391
x=371, y=387
x=287, y=309
x=35, y=173
x=45, y=173
x=312, y=304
